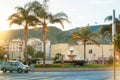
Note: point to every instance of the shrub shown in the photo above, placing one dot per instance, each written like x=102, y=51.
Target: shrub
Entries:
x=79, y=63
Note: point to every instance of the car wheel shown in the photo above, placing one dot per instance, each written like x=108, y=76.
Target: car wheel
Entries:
x=4, y=70
x=10, y=71
x=19, y=70
x=26, y=71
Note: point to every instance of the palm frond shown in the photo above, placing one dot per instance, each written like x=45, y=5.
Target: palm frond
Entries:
x=108, y=18
x=60, y=14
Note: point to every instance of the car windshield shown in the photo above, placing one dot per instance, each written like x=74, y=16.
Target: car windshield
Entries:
x=21, y=64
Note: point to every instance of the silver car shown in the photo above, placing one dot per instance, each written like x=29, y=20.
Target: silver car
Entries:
x=15, y=66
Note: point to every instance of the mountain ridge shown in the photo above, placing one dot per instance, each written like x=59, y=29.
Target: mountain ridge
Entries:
x=54, y=34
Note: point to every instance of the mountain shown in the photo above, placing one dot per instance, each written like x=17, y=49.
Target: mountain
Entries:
x=54, y=34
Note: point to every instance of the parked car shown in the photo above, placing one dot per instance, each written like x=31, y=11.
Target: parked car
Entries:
x=15, y=66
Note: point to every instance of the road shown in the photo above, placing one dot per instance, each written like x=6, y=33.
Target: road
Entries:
x=82, y=75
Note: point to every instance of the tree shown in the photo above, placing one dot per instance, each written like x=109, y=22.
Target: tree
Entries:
x=84, y=34
x=30, y=50
x=102, y=37
x=23, y=17
x=108, y=28
x=45, y=18
x=58, y=57
x=2, y=53
x=38, y=54
x=117, y=44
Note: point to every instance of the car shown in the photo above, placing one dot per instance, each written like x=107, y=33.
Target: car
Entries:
x=15, y=66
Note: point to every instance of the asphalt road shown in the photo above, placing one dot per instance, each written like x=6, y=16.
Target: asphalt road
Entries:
x=82, y=75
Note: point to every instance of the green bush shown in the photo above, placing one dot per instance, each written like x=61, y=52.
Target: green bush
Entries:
x=53, y=65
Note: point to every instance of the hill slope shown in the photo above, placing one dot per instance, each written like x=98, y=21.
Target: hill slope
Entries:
x=54, y=34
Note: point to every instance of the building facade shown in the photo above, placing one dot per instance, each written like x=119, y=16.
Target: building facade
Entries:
x=37, y=44
x=14, y=48
x=76, y=52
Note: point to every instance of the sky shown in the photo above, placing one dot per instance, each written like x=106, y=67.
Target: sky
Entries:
x=80, y=12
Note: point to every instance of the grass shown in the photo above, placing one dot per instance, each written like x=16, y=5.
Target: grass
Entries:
x=53, y=65
x=72, y=66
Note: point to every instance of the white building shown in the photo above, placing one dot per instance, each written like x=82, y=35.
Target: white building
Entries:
x=77, y=51
x=37, y=44
x=14, y=48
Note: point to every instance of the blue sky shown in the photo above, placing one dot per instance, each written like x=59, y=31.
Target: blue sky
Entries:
x=80, y=12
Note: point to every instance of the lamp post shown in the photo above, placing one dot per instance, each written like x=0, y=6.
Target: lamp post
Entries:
x=113, y=34
x=5, y=56
x=102, y=55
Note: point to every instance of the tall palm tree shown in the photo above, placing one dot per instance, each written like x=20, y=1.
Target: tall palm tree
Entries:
x=84, y=34
x=45, y=18
x=24, y=18
x=108, y=28
x=102, y=35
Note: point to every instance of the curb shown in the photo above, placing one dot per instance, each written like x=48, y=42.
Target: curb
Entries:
x=69, y=69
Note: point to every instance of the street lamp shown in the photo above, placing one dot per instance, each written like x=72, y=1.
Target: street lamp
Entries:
x=113, y=34
x=5, y=56
x=102, y=55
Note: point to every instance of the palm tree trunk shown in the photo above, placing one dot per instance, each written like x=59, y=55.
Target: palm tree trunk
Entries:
x=44, y=44
x=26, y=39
x=84, y=50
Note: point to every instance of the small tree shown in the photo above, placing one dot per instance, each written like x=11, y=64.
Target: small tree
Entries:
x=2, y=53
x=38, y=54
x=30, y=50
x=117, y=44
x=58, y=57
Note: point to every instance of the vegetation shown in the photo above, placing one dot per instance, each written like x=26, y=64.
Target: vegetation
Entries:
x=117, y=44
x=72, y=66
x=108, y=28
x=30, y=50
x=38, y=54
x=24, y=18
x=84, y=34
x=54, y=34
x=35, y=13
x=58, y=58
x=2, y=53
x=45, y=17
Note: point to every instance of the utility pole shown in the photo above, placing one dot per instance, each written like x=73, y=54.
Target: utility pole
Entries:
x=113, y=35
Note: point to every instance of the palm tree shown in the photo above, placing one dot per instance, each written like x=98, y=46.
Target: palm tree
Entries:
x=84, y=34
x=102, y=35
x=108, y=28
x=23, y=17
x=45, y=18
